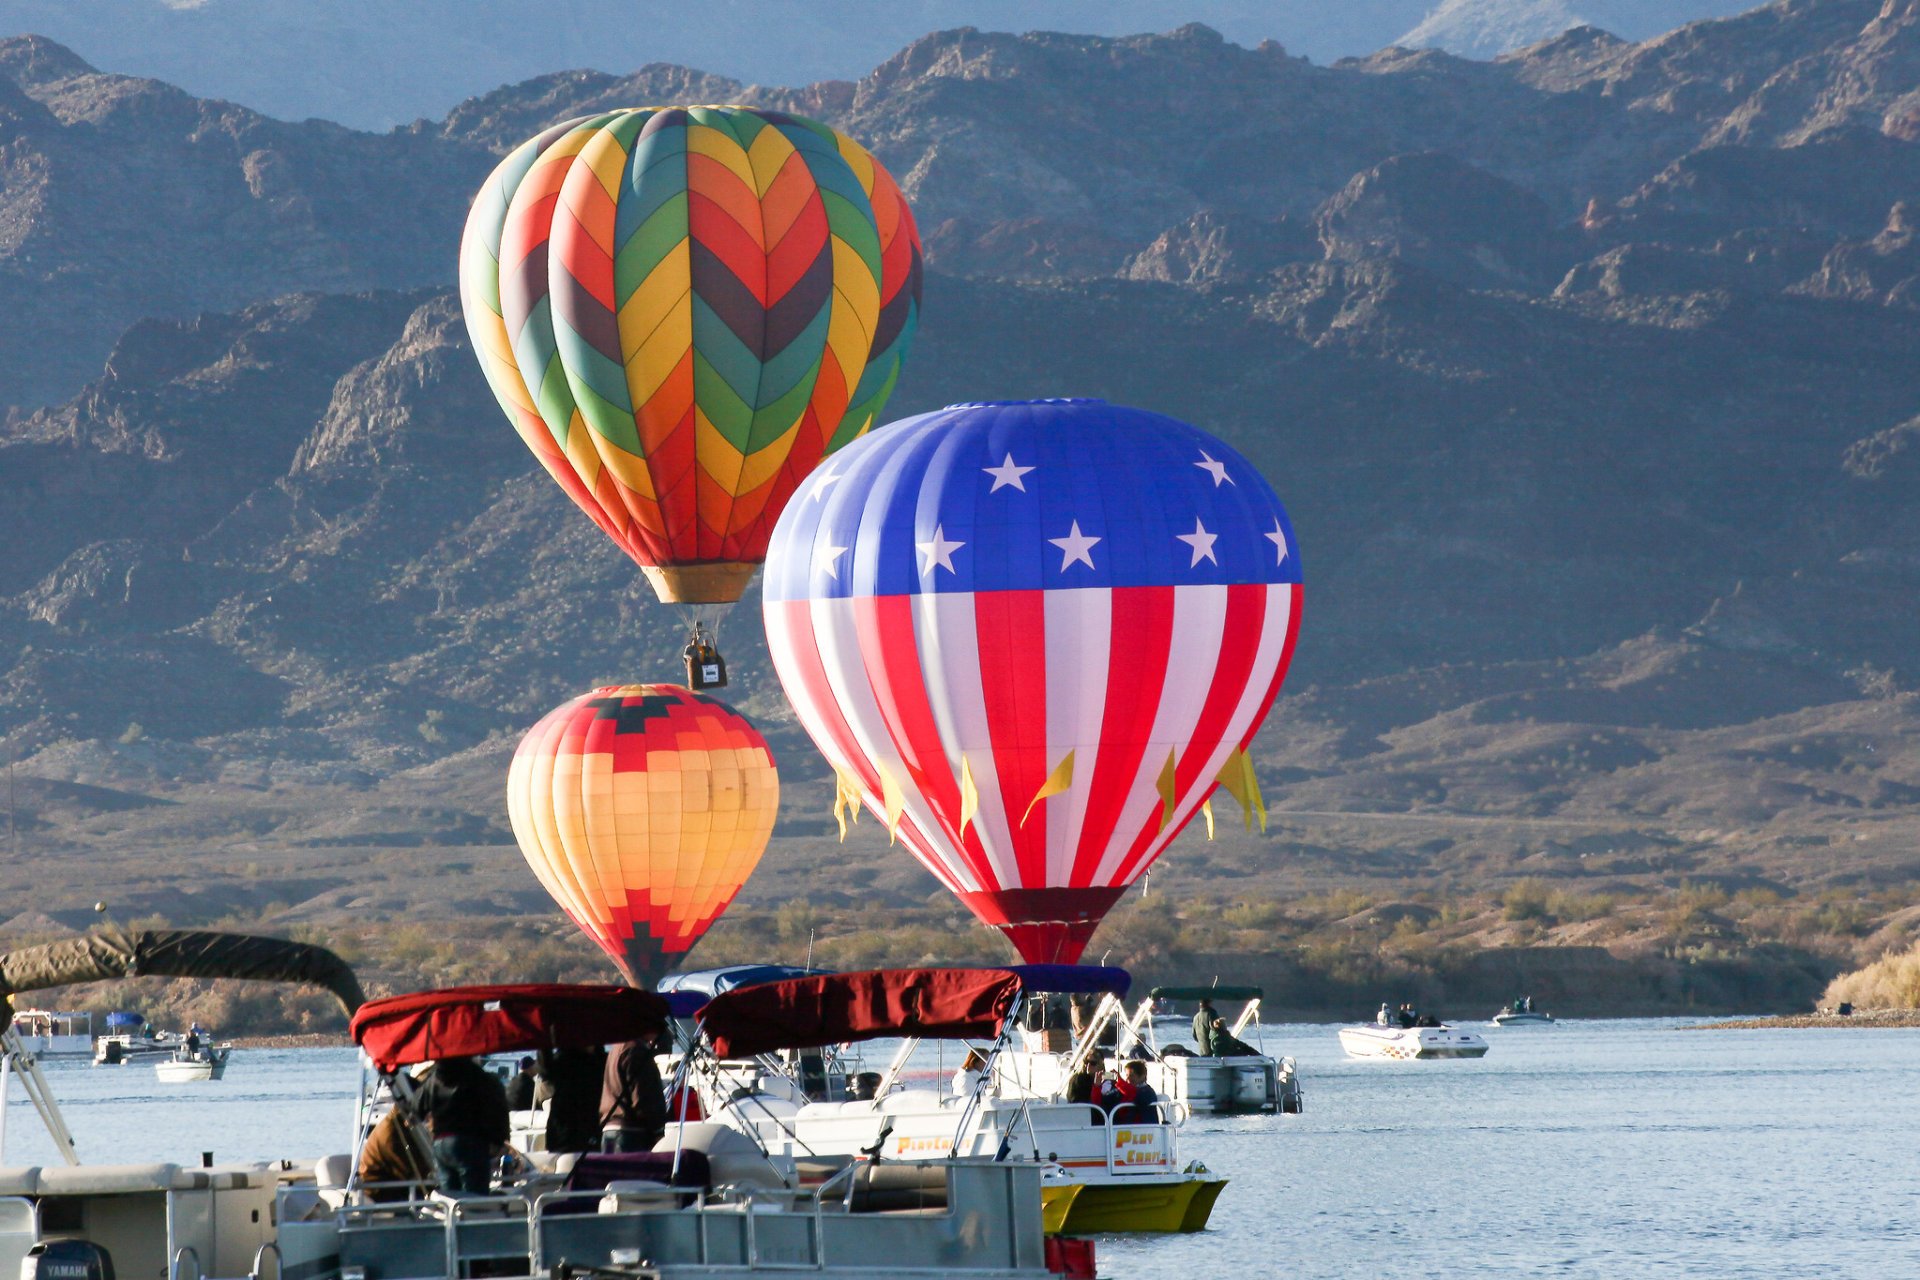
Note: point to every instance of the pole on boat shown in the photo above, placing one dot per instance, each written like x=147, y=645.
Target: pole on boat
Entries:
x=34, y=1084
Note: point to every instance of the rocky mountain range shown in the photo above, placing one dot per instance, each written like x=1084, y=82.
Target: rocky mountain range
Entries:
x=1588, y=375
x=372, y=64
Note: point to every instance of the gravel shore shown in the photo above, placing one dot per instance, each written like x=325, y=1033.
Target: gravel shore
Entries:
x=1860, y=1018
x=308, y=1040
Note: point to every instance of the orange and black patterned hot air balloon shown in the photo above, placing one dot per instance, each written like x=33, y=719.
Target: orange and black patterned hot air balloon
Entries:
x=682, y=310
x=643, y=809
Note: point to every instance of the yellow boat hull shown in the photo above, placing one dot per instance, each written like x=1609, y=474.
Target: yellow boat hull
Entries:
x=1172, y=1205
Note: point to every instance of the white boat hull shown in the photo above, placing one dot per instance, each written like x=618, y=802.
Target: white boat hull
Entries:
x=1411, y=1044
x=1522, y=1019
x=1225, y=1086
x=190, y=1070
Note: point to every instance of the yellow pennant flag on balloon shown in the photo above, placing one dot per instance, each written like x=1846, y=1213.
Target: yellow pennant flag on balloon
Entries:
x=1059, y=780
x=969, y=797
x=846, y=799
x=1238, y=777
x=1166, y=788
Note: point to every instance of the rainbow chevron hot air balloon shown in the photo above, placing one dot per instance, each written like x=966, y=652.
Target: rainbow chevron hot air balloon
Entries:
x=682, y=310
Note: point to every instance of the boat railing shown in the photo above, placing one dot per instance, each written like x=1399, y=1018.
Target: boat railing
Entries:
x=736, y=1202
x=1100, y=1120
x=260, y=1256
x=186, y=1251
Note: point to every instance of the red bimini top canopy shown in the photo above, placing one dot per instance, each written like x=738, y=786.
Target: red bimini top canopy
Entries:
x=460, y=1022
x=833, y=1008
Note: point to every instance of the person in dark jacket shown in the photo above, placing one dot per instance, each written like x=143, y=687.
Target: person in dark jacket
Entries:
x=520, y=1088
x=573, y=1080
x=1210, y=1033
x=465, y=1107
x=633, y=1102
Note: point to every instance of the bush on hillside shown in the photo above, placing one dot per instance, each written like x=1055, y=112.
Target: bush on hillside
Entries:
x=1891, y=982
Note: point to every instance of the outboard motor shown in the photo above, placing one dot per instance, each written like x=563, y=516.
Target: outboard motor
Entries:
x=67, y=1260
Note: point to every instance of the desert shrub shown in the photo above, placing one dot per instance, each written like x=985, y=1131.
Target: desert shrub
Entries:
x=1891, y=982
x=1254, y=915
x=1526, y=900
x=1577, y=907
x=1842, y=917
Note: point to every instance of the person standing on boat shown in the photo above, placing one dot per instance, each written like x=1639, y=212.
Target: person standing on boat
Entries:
x=967, y=1078
x=571, y=1082
x=633, y=1102
x=1205, y=1028
x=465, y=1106
x=520, y=1088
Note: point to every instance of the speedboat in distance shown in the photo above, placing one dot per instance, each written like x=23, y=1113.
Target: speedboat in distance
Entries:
x=1408, y=1036
x=1521, y=1013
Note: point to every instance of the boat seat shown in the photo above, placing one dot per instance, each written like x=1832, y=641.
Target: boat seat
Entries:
x=888, y=1188
x=595, y=1171
x=903, y=1100
x=96, y=1179
x=331, y=1174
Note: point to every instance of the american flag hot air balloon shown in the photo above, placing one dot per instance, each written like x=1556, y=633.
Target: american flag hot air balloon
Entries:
x=1032, y=637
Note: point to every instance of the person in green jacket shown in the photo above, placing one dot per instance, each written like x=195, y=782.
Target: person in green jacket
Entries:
x=1212, y=1039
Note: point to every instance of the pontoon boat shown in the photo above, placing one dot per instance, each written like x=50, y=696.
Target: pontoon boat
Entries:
x=1104, y=1172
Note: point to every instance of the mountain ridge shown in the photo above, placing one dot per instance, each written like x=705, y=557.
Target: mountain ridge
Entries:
x=1586, y=375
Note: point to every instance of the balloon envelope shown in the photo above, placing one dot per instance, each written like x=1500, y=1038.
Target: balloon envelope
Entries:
x=682, y=309
x=1030, y=636
x=643, y=809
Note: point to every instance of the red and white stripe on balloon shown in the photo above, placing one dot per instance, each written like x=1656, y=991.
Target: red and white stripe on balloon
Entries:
x=1031, y=636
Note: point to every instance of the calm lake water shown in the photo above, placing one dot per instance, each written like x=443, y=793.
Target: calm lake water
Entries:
x=1605, y=1149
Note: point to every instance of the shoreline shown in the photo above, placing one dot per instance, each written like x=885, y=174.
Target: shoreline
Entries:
x=300, y=1040
x=1818, y=1021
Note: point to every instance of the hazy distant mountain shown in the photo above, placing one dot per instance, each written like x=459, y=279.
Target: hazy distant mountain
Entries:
x=377, y=63
x=1489, y=28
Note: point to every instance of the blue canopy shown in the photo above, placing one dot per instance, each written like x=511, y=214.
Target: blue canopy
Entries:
x=711, y=982
x=1073, y=979
x=684, y=1004
x=121, y=1018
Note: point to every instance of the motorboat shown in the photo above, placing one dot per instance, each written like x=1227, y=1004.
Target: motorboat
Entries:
x=46, y=1033
x=1410, y=1037
x=1521, y=1013
x=708, y=1203
x=1105, y=1170
x=193, y=1062
x=131, y=1038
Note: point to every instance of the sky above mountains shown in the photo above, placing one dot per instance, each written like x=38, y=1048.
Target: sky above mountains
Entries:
x=374, y=64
